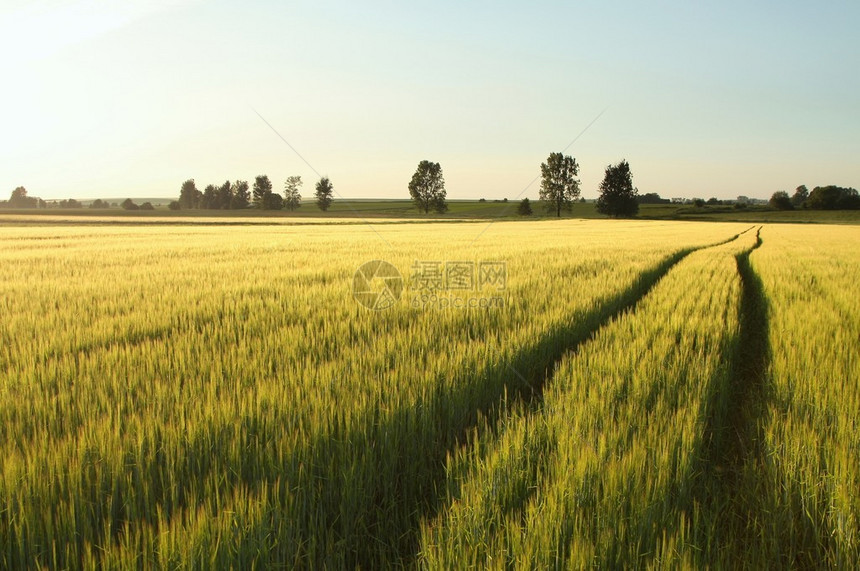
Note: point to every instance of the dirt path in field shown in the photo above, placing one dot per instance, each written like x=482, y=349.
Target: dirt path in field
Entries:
x=732, y=456
x=748, y=378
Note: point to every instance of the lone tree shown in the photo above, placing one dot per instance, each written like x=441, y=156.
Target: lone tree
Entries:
x=262, y=191
x=559, y=186
x=189, y=196
x=525, y=207
x=324, y=193
x=781, y=201
x=427, y=187
x=617, y=195
x=292, y=197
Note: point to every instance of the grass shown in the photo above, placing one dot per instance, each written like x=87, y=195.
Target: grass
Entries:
x=343, y=208
x=398, y=211
x=768, y=215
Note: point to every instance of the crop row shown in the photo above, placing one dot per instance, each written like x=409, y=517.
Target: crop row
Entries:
x=808, y=480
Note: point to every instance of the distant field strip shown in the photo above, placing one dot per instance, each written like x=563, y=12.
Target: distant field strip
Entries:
x=606, y=471
x=209, y=396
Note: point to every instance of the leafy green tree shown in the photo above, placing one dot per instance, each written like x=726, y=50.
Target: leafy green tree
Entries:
x=833, y=198
x=225, y=196
x=174, y=205
x=781, y=201
x=147, y=206
x=99, y=203
x=292, y=196
x=324, y=193
x=241, y=195
x=262, y=190
x=617, y=194
x=70, y=203
x=653, y=198
x=273, y=201
x=850, y=200
x=128, y=204
x=189, y=196
x=19, y=199
x=801, y=194
x=559, y=186
x=525, y=207
x=210, y=197
x=427, y=187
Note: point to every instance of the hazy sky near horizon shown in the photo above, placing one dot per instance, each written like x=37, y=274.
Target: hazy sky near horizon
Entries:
x=115, y=99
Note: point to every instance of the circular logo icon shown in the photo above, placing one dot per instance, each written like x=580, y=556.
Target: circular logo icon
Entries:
x=377, y=285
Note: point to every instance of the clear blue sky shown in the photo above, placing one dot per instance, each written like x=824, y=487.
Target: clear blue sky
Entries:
x=114, y=99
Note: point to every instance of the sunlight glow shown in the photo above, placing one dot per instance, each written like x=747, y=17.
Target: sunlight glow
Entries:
x=40, y=29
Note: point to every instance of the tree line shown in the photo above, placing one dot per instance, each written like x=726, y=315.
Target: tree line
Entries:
x=821, y=198
x=20, y=199
x=239, y=195
x=559, y=189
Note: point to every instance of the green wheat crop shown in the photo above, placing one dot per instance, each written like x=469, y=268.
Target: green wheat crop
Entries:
x=213, y=396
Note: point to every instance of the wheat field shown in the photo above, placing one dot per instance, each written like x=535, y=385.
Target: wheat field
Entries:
x=578, y=393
